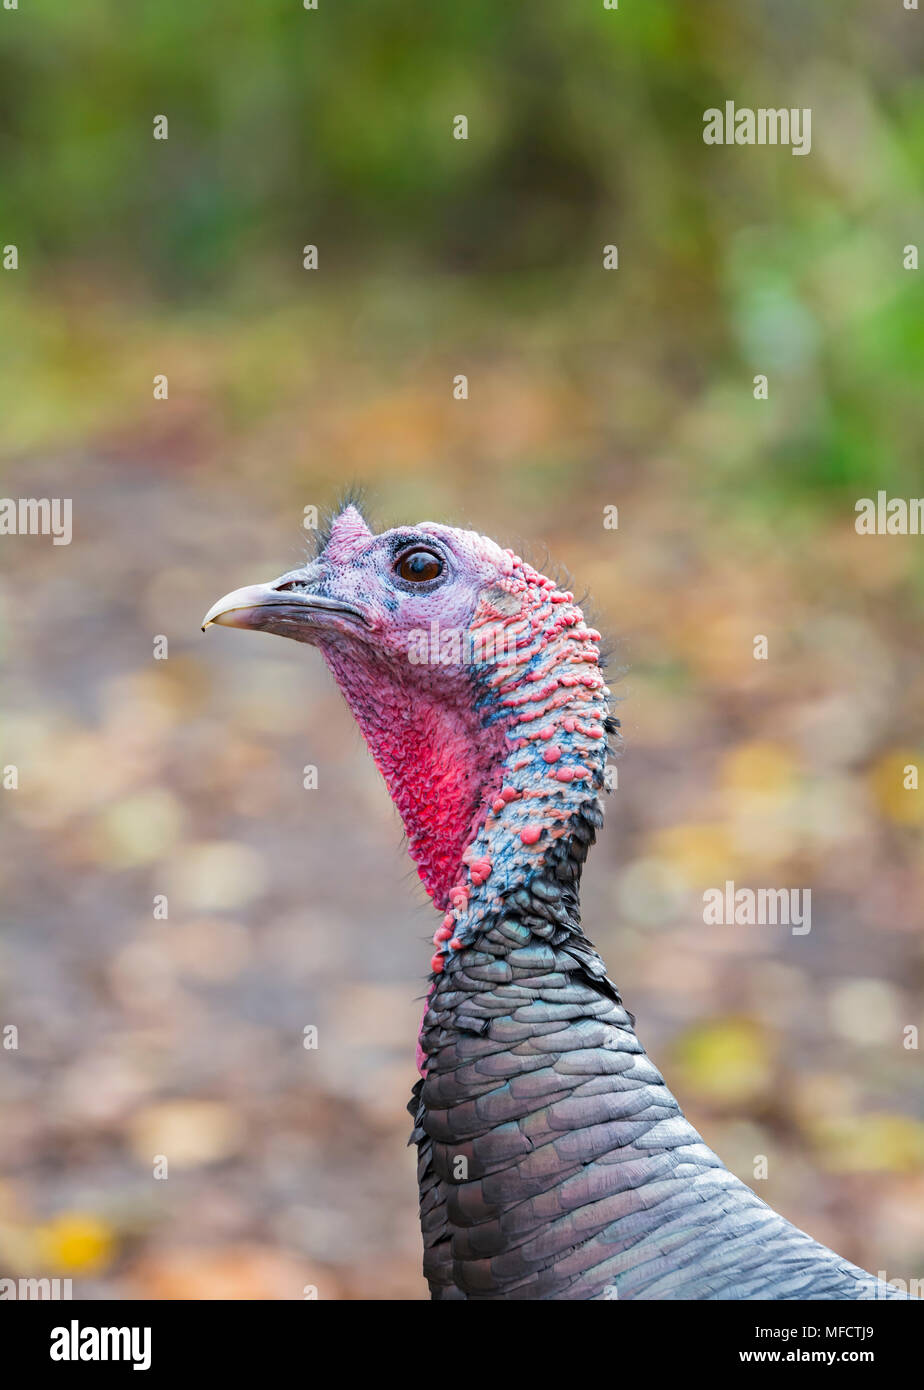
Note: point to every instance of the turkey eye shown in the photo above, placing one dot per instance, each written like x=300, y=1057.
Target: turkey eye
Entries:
x=419, y=567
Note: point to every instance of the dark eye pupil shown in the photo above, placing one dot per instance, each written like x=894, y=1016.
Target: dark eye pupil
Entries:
x=419, y=567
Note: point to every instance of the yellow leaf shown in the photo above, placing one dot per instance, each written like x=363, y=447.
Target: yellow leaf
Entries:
x=888, y=779
x=700, y=853
x=77, y=1242
x=877, y=1142
x=727, y=1061
x=759, y=768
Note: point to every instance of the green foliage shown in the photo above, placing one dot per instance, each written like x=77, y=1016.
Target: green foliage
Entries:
x=334, y=127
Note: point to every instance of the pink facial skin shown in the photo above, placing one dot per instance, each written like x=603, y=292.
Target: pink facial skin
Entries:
x=439, y=761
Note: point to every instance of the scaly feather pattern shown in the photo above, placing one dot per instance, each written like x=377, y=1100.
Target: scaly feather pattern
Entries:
x=554, y=1163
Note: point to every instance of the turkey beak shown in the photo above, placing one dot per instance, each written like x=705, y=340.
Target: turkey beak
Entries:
x=239, y=608
x=284, y=607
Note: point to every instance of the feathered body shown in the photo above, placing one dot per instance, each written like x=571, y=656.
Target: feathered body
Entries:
x=554, y=1163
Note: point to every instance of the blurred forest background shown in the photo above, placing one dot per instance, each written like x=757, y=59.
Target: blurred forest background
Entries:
x=588, y=388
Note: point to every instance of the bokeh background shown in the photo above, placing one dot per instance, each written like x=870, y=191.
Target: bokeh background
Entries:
x=588, y=388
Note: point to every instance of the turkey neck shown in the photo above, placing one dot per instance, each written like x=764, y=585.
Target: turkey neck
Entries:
x=524, y=947
x=517, y=886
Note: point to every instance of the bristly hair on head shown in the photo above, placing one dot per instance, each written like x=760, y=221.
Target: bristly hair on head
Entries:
x=353, y=496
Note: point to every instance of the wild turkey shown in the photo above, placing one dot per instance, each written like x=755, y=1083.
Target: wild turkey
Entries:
x=554, y=1163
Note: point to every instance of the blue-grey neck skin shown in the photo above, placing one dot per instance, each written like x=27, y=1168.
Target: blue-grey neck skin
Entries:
x=554, y=1163
x=555, y=725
